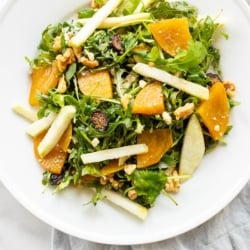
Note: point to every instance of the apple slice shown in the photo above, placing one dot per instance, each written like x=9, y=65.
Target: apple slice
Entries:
x=193, y=147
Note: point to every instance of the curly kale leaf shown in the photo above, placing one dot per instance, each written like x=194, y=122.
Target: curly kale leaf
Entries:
x=148, y=184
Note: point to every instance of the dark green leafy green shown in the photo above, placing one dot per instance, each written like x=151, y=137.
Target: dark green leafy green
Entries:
x=148, y=184
x=86, y=13
x=71, y=71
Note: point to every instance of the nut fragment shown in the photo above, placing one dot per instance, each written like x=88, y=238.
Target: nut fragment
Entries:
x=173, y=183
x=78, y=52
x=89, y=63
x=184, y=111
x=115, y=184
x=64, y=60
x=132, y=195
x=230, y=88
x=103, y=180
x=57, y=43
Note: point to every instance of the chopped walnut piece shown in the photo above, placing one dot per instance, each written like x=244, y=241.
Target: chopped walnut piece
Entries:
x=115, y=184
x=89, y=63
x=57, y=43
x=132, y=195
x=103, y=180
x=78, y=52
x=184, y=111
x=230, y=88
x=64, y=60
x=173, y=183
x=106, y=179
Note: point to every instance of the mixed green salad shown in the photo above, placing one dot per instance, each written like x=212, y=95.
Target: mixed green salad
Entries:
x=129, y=97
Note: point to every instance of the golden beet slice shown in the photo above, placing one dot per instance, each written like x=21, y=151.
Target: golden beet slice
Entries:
x=214, y=112
x=111, y=168
x=55, y=159
x=42, y=80
x=171, y=34
x=97, y=84
x=159, y=141
x=150, y=100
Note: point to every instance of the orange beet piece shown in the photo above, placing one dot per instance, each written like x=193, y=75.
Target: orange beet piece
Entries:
x=150, y=100
x=171, y=34
x=214, y=112
x=97, y=84
x=111, y=168
x=54, y=161
x=159, y=141
x=42, y=80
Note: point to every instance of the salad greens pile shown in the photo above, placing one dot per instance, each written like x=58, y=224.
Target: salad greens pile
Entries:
x=117, y=49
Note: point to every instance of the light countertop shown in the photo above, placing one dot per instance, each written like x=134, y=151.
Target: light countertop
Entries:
x=19, y=229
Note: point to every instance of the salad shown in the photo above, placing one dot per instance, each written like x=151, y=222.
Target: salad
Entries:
x=128, y=98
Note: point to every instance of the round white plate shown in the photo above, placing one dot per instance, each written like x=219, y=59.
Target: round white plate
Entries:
x=221, y=176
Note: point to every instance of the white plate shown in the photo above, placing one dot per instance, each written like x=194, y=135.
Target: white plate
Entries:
x=218, y=180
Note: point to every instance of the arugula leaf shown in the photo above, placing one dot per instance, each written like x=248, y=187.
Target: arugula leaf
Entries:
x=204, y=31
x=71, y=71
x=166, y=9
x=189, y=59
x=47, y=52
x=86, y=13
x=97, y=196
